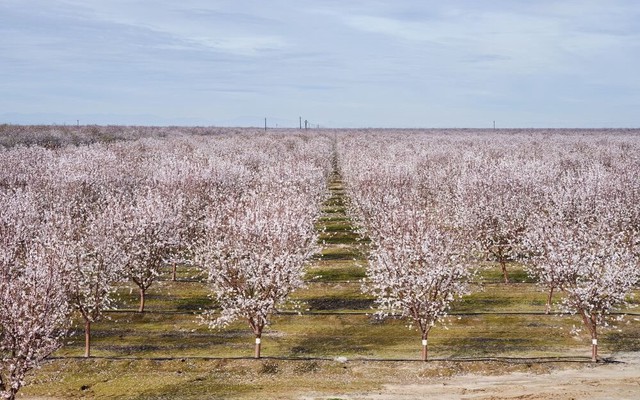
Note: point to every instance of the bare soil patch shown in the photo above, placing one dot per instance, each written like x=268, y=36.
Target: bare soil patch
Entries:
x=620, y=380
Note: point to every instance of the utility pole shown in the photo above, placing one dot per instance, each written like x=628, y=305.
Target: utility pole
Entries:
x=265, y=124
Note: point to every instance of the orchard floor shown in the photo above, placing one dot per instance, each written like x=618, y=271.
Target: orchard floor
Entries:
x=332, y=380
x=610, y=381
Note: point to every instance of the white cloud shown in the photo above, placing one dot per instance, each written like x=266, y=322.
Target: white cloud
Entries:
x=206, y=26
x=519, y=44
x=394, y=27
x=240, y=45
x=550, y=40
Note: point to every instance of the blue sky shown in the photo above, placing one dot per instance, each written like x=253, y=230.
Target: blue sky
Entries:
x=337, y=63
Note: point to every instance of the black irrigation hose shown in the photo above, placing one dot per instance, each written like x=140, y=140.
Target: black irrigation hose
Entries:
x=504, y=360
x=369, y=312
x=132, y=311
x=353, y=281
x=183, y=280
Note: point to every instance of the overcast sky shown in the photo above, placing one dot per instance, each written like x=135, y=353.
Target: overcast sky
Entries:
x=337, y=63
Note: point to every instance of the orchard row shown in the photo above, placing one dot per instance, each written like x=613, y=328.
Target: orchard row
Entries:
x=434, y=206
x=76, y=221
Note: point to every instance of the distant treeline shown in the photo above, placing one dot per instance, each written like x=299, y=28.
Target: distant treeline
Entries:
x=56, y=136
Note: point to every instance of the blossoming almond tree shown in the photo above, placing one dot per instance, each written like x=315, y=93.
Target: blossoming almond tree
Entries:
x=95, y=258
x=258, y=239
x=594, y=267
x=150, y=235
x=34, y=312
x=586, y=245
x=258, y=262
x=417, y=273
x=197, y=193
x=418, y=261
x=499, y=210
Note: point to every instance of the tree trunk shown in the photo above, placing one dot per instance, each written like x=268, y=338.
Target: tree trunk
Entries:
x=503, y=265
x=258, y=345
x=549, y=296
x=87, y=338
x=425, y=349
x=141, y=309
x=590, y=322
x=173, y=272
x=594, y=341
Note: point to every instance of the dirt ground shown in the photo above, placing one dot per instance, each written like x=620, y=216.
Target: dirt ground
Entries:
x=609, y=381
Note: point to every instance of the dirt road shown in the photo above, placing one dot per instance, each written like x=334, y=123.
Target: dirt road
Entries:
x=609, y=381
